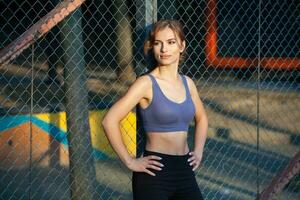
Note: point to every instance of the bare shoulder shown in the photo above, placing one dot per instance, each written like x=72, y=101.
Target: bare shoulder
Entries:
x=189, y=79
x=142, y=82
x=144, y=79
x=191, y=83
x=140, y=86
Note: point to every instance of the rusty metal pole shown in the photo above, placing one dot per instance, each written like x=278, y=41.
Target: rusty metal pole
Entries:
x=82, y=170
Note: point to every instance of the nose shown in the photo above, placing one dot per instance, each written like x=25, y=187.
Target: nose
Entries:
x=163, y=47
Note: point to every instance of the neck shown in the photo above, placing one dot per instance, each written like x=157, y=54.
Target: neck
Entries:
x=167, y=72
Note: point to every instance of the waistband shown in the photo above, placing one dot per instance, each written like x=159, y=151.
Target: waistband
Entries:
x=173, y=164
x=166, y=156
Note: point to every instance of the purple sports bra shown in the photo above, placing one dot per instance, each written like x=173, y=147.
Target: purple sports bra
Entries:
x=165, y=115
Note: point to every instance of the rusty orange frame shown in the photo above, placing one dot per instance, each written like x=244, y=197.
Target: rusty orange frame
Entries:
x=211, y=49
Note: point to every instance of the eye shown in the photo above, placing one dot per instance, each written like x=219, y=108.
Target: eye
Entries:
x=172, y=42
x=156, y=43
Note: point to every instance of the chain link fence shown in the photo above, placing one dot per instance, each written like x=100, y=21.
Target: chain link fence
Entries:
x=242, y=54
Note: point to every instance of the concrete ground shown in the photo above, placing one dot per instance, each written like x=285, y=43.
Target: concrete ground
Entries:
x=231, y=158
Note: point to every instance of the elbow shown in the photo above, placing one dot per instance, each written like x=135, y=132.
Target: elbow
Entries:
x=204, y=118
x=105, y=123
x=106, y=128
x=203, y=121
x=109, y=123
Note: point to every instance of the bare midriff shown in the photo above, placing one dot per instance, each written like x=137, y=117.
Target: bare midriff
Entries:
x=172, y=143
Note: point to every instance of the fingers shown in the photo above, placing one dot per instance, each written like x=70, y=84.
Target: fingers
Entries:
x=195, y=167
x=154, y=157
x=153, y=164
x=191, y=159
x=149, y=172
x=150, y=162
x=153, y=167
x=194, y=161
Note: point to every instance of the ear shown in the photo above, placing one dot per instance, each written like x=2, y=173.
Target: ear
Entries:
x=182, y=46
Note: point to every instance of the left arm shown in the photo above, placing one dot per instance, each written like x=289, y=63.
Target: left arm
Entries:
x=201, y=126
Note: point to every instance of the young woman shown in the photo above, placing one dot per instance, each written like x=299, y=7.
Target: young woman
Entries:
x=167, y=102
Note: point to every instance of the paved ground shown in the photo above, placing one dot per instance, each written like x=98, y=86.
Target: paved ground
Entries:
x=229, y=169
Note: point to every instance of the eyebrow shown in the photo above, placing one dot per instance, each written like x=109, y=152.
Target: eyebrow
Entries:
x=167, y=39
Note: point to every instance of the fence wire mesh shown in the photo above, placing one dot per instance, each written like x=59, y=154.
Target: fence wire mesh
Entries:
x=242, y=54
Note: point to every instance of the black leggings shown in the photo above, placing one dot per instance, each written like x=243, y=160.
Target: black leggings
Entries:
x=176, y=180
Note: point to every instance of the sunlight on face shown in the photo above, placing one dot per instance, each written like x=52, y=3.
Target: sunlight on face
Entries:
x=167, y=47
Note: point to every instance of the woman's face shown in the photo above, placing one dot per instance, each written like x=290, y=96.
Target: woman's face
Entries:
x=167, y=47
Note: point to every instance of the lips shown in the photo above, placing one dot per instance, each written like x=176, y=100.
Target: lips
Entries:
x=164, y=56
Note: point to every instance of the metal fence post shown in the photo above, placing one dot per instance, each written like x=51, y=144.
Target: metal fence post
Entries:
x=82, y=172
x=145, y=17
x=124, y=70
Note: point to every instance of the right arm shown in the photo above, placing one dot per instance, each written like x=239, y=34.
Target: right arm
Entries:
x=111, y=123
